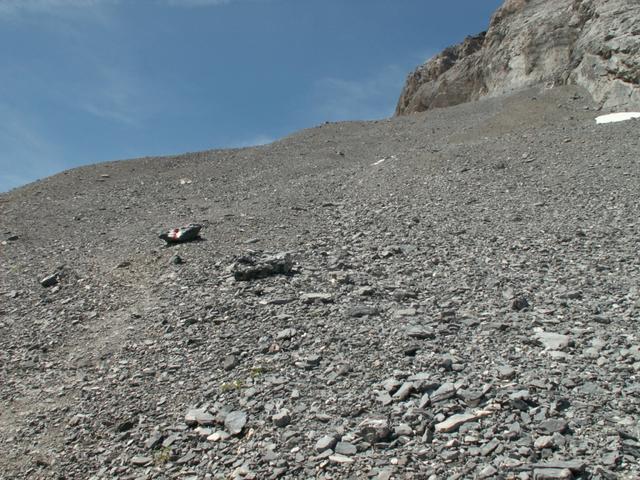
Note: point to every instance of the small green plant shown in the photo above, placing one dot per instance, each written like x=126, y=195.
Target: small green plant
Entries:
x=257, y=372
x=162, y=456
x=231, y=386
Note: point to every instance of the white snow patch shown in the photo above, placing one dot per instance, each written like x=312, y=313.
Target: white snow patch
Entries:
x=617, y=117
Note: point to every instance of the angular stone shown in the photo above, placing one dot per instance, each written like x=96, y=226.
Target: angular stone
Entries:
x=326, y=442
x=309, y=298
x=545, y=441
x=345, y=448
x=403, y=430
x=453, y=422
x=446, y=391
x=576, y=466
x=251, y=268
x=235, y=421
x=553, y=341
x=421, y=332
x=218, y=436
x=506, y=372
x=403, y=392
x=230, y=362
x=488, y=471
x=50, y=281
x=140, y=461
x=552, y=474
x=282, y=418
x=362, y=311
x=199, y=416
x=337, y=458
x=375, y=430
x=553, y=425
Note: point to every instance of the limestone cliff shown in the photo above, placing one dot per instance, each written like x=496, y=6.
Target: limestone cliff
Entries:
x=591, y=43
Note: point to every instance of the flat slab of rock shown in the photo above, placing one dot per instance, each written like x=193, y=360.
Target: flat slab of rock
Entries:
x=309, y=298
x=235, y=421
x=420, y=332
x=326, y=442
x=253, y=267
x=199, y=416
x=140, y=461
x=552, y=474
x=455, y=421
x=553, y=341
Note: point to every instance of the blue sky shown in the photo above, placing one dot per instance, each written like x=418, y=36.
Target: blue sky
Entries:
x=84, y=81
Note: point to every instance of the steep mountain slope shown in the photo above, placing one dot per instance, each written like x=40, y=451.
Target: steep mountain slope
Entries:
x=591, y=43
x=464, y=304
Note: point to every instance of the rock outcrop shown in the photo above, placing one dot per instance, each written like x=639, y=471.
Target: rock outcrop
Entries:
x=591, y=43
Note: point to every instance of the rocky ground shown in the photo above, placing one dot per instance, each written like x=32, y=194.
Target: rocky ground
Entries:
x=462, y=301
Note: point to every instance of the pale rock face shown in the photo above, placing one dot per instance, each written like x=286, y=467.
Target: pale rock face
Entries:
x=591, y=43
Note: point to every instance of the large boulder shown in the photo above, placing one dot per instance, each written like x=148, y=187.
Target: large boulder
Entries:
x=591, y=43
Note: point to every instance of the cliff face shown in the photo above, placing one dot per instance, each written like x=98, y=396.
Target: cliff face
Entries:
x=591, y=43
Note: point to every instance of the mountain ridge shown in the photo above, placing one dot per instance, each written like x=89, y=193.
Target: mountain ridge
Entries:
x=589, y=43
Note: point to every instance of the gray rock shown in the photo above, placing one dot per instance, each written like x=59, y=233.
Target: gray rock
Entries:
x=326, y=442
x=309, y=298
x=253, y=267
x=235, y=422
x=506, y=372
x=218, y=436
x=420, y=331
x=50, y=280
x=489, y=471
x=454, y=422
x=286, y=334
x=199, y=416
x=446, y=391
x=374, y=430
x=520, y=303
x=576, y=466
x=545, y=441
x=553, y=341
x=362, y=311
x=282, y=418
x=403, y=392
x=403, y=430
x=345, y=448
x=553, y=425
x=337, y=458
x=141, y=461
x=230, y=362
x=365, y=291
x=552, y=474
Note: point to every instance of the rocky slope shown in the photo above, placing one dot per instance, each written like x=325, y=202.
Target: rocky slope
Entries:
x=591, y=43
x=463, y=303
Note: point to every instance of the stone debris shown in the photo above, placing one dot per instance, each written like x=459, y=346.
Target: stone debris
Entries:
x=235, y=422
x=362, y=359
x=50, y=280
x=553, y=341
x=256, y=266
x=188, y=233
x=199, y=416
x=454, y=422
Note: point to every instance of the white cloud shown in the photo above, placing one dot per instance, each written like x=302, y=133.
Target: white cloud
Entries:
x=362, y=99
